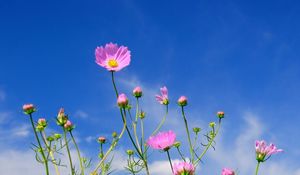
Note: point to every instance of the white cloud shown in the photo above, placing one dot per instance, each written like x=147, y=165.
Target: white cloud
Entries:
x=2, y=95
x=81, y=114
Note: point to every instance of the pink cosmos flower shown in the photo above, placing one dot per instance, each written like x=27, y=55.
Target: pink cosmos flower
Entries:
x=163, y=98
x=263, y=152
x=183, y=168
x=162, y=141
x=112, y=57
x=122, y=100
x=227, y=171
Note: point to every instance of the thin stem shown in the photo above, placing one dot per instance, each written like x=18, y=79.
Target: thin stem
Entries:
x=170, y=161
x=134, y=123
x=162, y=122
x=114, y=84
x=209, y=144
x=181, y=155
x=109, y=150
x=257, y=167
x=188, y=134
x=69, y=154
x=78, y=152
x=40, y=146
x=43, y=134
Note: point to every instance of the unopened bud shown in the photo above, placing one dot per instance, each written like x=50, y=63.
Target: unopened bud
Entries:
x=122, y=101
x=177, y=144
x=101, y=140
x=130, y=152
x=29, y=109
x=68, y=126
x=182, y=101
x=196, y=129
x=114, y=134
x=220, y=114
x=142, y=115
x=212, y=124
x=137, y=92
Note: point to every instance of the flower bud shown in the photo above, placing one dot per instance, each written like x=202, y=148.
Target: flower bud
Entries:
x=62, y=118
x=41, y=125
x=68, y=126
x=29, y=109
x=101, y=155
x=57, y=136
x=137, y=92
x=212, y=124
x=101, y=140
x=42, y=122
x=220, y=114
x=142, y=115
x=50, y=138
x=122, y=101
x=182, y=101
x=177, y=144
x=114, y=135
x=227, y=171
x=196, y=129
x=130, y=152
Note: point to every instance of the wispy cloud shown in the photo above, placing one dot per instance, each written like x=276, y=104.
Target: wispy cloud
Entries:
x=81, y=114
x=2, y=95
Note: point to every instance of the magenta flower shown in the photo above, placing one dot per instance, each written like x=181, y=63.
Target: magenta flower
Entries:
x=183, y=168
x=227, y=171
x=122, y=100
x=263, y=152
x=112, y=57
x=163, y=98
x=162, y=141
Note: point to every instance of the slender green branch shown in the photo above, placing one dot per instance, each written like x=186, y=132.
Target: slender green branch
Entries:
x=209, y=144
x=69, y=154
x=78, y=152
x=40, y=146
x=162, y=122
x=170, y=161
x=43, y=134
x=188, y=134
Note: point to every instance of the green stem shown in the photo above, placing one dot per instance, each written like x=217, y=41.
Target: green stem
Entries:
x=181, y=155
x=257, y=167
x=69, y=154
x=162, y=122
x=188, y=134
x=170, y=161
x=209, y=144
x=48, y=145
x=114, y=84
x=40, y=146
x=78, y=152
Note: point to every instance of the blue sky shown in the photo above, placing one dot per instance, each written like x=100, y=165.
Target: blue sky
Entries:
x=240, y=57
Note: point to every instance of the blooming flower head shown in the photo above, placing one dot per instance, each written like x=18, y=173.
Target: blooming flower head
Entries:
x=263, y=152
x=182, y=101
x=122, y=100
x=227, y=171
x=69, y=125
x=183, y=168
x=112, y=57
x=163, y=98
x=162, y=141
x=28, y=109
x=137, y=92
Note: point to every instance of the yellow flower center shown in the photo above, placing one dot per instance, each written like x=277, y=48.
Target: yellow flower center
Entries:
x=112, y=63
